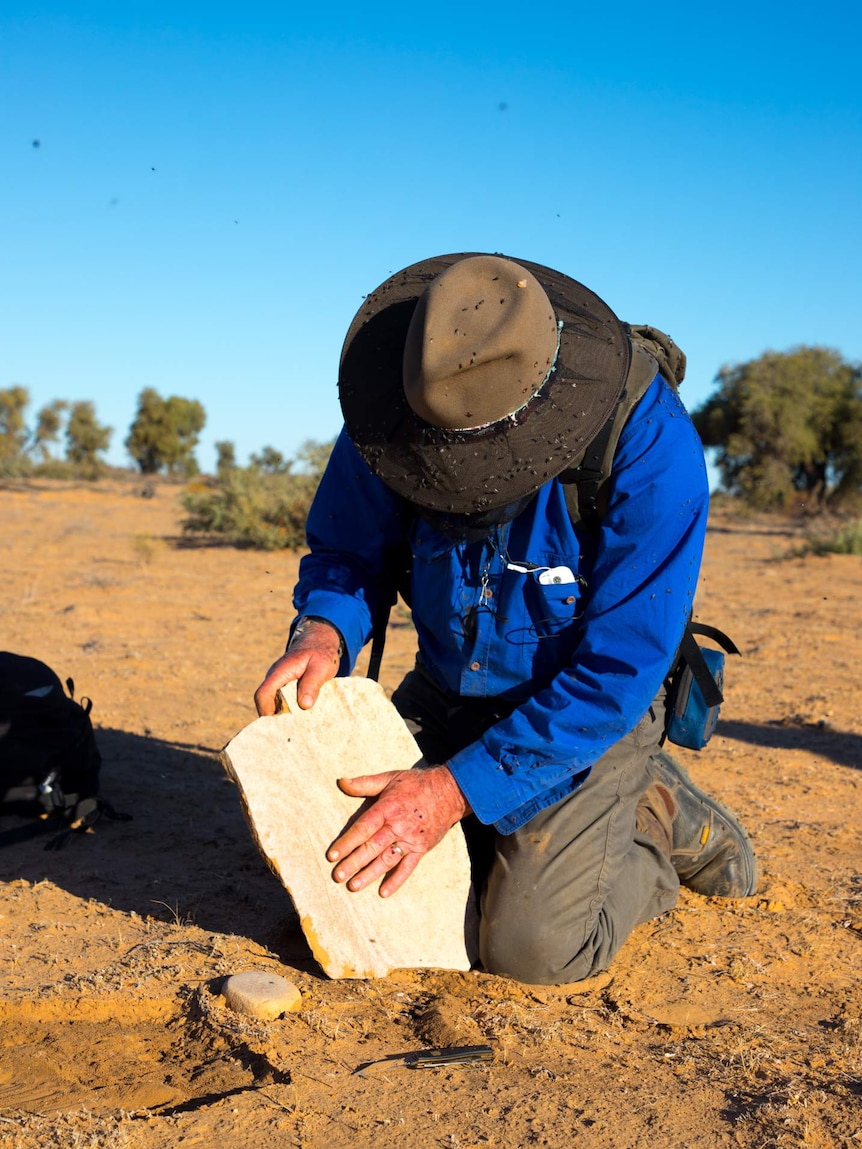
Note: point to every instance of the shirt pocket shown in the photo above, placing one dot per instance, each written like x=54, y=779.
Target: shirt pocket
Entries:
x=552, y=607
x=542, y=617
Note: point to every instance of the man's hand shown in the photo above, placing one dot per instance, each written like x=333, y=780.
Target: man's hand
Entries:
x=413, y=812
x=312, y=658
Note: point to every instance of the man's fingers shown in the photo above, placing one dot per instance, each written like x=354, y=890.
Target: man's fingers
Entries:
x=364, y=854
x=308, y=668
x=277, y=676
x=387, y=859
x=367, y=785
x=308, y=688
x=399, y=866
x=321, y=644
x=367, y=825
x=364, y=829
x=399, y=875
x=319, y=668
x=264, y=697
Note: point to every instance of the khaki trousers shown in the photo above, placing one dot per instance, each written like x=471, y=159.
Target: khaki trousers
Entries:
x=559, y=896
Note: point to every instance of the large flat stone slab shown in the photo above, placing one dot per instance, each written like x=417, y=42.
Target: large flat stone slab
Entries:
x=286, y=767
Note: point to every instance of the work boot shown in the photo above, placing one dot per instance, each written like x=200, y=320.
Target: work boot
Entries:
x=707, y=846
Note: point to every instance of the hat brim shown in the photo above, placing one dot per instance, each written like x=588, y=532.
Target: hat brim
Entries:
x=465, y=472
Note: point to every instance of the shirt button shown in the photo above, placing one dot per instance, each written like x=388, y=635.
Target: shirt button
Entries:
x=487, y=592
x=570, y=599
x=475, y=665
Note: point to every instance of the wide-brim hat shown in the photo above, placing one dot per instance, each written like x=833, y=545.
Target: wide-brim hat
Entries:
x=430, y=422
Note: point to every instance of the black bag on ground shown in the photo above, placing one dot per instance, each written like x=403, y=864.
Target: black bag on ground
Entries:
x=49, y=760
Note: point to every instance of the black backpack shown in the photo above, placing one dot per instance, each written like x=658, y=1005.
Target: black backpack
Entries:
x=49, y=760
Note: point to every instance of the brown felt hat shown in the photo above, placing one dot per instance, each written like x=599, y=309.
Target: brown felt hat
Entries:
x=468, y=381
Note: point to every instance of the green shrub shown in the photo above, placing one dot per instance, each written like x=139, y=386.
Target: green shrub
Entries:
x=66, y=469
x=252, y=507
x=25, y=468
x=16, y=468
x=845, y=539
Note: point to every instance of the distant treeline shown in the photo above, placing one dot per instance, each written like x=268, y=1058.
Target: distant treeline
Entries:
x=162, y=437
x=785, y=429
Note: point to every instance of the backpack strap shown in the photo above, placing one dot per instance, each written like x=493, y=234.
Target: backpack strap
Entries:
x=585, y=479
x=399, y=562
x=691, y=654
x=378, y=642
x=717, y=636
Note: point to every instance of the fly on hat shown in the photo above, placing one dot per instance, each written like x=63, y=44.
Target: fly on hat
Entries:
x=468, y=381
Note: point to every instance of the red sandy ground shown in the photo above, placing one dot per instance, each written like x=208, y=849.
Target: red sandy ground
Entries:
x=731, y=1023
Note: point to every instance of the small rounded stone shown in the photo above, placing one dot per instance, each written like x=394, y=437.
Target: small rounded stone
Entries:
x=262, y=995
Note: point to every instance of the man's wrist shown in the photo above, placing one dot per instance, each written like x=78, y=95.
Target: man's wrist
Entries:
x=451, y=783
x=304, y=622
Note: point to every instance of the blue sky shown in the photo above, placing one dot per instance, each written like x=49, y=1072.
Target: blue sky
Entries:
x=216, y=187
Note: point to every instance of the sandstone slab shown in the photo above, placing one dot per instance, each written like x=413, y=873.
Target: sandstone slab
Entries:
x=286, y=767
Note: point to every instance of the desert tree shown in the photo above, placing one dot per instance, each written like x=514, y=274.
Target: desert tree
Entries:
x=49, y=423
x=86, y=438
x=165, y=433
x=312, y=457
x=24, y=450
x=225, y=458
x=270, y=461
x=787, y=427
x=13, y=428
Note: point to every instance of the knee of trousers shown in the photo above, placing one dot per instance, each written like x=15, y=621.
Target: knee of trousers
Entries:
x=535, y=953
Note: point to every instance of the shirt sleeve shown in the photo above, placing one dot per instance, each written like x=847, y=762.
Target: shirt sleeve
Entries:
x=354, y=531
x=640, y=598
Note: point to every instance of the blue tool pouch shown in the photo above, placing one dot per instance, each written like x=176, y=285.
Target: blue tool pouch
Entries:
x=696, y=690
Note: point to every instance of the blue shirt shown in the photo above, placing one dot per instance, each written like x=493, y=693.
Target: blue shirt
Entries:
x=582, y=659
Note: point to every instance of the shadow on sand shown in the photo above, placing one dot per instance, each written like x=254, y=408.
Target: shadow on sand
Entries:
x=840, y=747
x=187, y=854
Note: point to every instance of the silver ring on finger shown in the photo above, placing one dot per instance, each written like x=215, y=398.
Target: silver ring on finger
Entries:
x=396, y=849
